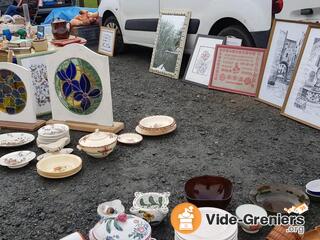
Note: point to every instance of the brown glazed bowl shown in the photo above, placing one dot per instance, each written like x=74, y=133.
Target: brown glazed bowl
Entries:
x=209, y=191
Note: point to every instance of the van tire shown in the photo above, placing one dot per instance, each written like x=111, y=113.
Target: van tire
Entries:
x=113, y=23
x=238, y=31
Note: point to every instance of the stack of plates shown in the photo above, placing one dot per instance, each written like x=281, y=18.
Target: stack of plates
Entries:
x=156, y=125
x=59, y=166
x=53, y=133
x=313, y=190
x=214, y=231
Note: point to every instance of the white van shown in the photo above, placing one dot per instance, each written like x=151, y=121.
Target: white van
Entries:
x=136, y=20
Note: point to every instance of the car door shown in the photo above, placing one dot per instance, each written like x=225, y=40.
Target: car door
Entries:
x=139, y=21
x=307, y=10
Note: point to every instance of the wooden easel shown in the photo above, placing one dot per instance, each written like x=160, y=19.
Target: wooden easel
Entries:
x=90, y=127
x=29, y=127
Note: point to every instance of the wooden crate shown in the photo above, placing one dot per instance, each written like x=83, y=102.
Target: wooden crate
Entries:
x=90, y=33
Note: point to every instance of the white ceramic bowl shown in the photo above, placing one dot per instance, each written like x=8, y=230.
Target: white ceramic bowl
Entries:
x=253, y=210
x=98, y=152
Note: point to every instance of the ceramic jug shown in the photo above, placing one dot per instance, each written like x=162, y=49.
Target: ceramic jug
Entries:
x=61, y=29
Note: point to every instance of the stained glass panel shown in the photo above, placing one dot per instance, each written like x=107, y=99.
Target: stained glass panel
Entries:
x=78, y=86
x=13, y=95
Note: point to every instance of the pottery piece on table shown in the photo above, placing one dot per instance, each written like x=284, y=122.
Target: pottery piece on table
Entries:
x=59, y=166
x=122, y=227
x=158, y=122
x=98, y=144
x=15, y=139
x=62, y=151
x=275, y=198
x=53, y=130
x=17, y=159
x=313, y=187
x=313, y=197
x=209, y=191
x=55, y=146
x=153, y=207
x=253, y=210
x=149, y=133
x=110, y=209
x=74, y=236
x=130, y=138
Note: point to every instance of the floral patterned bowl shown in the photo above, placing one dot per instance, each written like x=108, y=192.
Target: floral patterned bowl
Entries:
x=98, y=144
x=153, y=207
x=121, y=227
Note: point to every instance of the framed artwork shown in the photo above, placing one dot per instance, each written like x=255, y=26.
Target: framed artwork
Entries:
x=170, y=42
x=79, y=86
x=302, y=102
x=107, y=41
x=237, y=69
x=16, y=94
x=285, y=45
x=200, y=64
x=37, y=65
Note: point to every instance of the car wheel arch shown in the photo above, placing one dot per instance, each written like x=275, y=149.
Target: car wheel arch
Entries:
x=222, y=23
x=107, y=14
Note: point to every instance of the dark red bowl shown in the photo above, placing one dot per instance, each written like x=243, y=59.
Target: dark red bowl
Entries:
x=209, y=191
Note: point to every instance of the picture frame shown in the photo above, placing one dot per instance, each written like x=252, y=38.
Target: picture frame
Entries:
x=168, y=51
x=79, y=86
x=200, y=64
x=284, y=47
x=302, y=102
x=237, y=69
x=107, y=41
x=37, y=64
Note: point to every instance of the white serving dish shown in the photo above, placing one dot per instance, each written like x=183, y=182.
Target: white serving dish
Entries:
x=62, y=151
x=111, y=208
x=15, y=139
x=152, y=206
x=313, y=187
x=130, y=138
x=17, y=159
x=53, y=130
x=158, y=122
x=98, y=144
x=145, y=132
x=255, y=211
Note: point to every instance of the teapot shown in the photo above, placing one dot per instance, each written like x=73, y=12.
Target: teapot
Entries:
x=61, y=29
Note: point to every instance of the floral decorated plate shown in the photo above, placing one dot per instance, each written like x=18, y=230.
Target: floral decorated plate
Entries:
x=15, y=139
x=17, y=159
x=53, y=130
x=130, y=138
x=62, y=151
x=121, y=227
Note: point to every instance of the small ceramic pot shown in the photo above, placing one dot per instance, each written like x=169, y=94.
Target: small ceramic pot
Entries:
x=253, y=210
x=110, y=209
x=98, y=144
x=152, y=207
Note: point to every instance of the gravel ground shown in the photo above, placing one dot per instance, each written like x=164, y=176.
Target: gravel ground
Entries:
x=218, y=133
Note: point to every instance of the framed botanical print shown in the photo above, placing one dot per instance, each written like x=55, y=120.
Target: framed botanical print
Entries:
x=79, y=85
x=302, y=102
x=170, y=42
x=16, y=94
x=285, y=45
x=200, y=63
x=236, y=69
x=107, y=41
x=37, y=65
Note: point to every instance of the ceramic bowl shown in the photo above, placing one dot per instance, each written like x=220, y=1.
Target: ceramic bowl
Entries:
x=59, y=166
x=253, y=210
x=98, y=144
x=313, y=187
x=110, y=209
x=209, y=191
x=313, y=197
x=152, y=207
x=157, y=123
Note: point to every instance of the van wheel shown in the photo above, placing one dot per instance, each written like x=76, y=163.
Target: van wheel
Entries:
x=111, y=22
x=238, y=31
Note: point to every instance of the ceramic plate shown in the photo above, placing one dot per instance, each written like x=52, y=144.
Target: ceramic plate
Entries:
x=156, y=122
x=62, y=151
x=15, y=139
x=53, y=130
x=130, y=138
x=314, y=187
x=60, y=165
x=274, y=198
x=17, y=159
x=150, y=133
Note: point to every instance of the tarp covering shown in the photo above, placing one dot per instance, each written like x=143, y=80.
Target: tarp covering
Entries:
x=66, y=13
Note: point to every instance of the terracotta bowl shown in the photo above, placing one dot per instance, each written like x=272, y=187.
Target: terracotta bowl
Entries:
x=209, y=191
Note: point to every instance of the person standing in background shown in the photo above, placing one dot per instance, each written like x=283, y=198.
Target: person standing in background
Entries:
x=17, y=9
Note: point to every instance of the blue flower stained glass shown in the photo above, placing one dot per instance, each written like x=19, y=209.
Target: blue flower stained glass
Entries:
x=13, y=95
x=78, y=86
